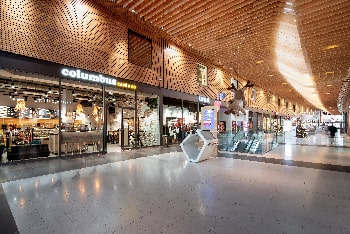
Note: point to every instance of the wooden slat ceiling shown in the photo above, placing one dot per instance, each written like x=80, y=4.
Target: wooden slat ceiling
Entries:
x=240, y=36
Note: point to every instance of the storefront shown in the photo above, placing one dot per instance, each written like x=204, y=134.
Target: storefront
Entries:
x=182, y=115
x=48, y=110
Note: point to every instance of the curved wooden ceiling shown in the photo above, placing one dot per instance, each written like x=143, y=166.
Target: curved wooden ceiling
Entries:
x=240, y=36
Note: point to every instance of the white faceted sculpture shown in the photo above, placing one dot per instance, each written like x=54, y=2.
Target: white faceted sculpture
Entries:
x=200, y=146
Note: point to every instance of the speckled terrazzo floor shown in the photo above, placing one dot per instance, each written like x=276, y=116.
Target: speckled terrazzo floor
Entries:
x=164, y=193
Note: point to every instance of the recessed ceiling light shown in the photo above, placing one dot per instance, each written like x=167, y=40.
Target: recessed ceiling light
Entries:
x=329, y=85
x=330, y=72
x=328, y=93
x=260, y=61
x=284, y=83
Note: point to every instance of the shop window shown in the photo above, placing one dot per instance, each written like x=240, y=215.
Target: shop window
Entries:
x=128, y=127
x=82, y=117
x=180, y=118
x=29, y=116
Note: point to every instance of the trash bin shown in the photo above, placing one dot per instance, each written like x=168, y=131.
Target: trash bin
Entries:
x=165, y=140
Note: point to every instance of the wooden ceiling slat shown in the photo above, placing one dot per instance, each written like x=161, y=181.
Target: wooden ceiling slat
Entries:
x=128, y=3
x=315, y=6
x=243, y=22
x=157, y=4
x=163, y=10
x=170, y=12
x=242, y=29
x=187, y=20
x=143, y=7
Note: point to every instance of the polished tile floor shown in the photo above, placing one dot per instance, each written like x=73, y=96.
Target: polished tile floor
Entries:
x=302, y=186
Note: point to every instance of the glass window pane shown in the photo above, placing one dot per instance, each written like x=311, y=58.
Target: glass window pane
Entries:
x=82, y=118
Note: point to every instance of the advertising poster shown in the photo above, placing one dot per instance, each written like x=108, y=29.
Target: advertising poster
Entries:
x=234, y=126
x=208, y=120
x=222, y=127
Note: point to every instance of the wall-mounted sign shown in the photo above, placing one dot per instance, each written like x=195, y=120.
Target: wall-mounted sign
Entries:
x=126, y=85
x=203, y=99
x=222, y=96
x=218, y=104
x=83, y=75
x=202, y=75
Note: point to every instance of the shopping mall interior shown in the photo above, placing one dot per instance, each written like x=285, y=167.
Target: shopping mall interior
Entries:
x=172, y=116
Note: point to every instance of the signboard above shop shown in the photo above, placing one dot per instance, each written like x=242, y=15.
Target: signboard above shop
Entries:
x=78, y=74
x=202, y=99
x=125, y=85
x=83, y=75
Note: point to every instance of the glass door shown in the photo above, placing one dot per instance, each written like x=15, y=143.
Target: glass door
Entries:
x=128, y=133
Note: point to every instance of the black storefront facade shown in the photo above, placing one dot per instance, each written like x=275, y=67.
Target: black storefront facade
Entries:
x=62, y=110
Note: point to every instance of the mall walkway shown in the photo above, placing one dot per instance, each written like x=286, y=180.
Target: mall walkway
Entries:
x=300, y=187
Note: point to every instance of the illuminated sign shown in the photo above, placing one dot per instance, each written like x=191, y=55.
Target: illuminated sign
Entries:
x=208, y=119
x=82, y=75
x=126, y=85
x=203, y=99
x=218, y=104
x=222, y=96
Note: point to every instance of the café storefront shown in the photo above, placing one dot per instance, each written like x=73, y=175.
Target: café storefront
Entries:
x=50, y=110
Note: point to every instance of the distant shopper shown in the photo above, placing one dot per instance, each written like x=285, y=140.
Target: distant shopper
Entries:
x=332, y=130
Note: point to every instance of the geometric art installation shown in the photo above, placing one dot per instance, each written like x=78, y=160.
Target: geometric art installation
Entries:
x=200, y=146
